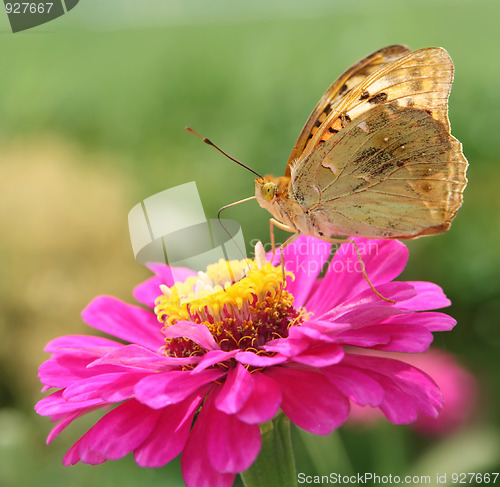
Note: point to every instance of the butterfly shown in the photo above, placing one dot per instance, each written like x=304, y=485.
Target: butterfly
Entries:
x=376, y=158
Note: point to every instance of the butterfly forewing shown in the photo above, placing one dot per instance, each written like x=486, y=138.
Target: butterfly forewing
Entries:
x=390, y=173
x=421, y=80
x=348, y=82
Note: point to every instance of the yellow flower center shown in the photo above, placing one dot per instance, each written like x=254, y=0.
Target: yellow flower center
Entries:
x=243, y=303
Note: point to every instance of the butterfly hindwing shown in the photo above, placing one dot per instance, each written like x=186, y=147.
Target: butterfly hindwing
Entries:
x=390, y=173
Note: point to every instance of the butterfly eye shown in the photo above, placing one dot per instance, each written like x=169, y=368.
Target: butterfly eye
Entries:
x=268, y=191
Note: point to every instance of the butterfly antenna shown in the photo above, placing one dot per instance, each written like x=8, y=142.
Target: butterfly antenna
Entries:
x=209, y=142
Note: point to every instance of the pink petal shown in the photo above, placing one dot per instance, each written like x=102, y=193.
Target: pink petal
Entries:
x=122, y=430
x=310, y=400
x=80, y=451
x=356, y=385
x=263, y=403
x=308, y=334
x=55, y=404
x=197, y=469
x=384, y=260
x=301, y=338
x=395, y=290
x=63, y=424
x=83, y=345
x=398, y=407
x=235, y=390
x=289, y=347
x=367, y=337
x=125, y=321
x=429, y=296
x=325, y=328
x=198, y=333
x=410, y=379
x=364, y=315
x=321, y=355
x=403, y=385
x=166, y=388
x=391, y=337
x=140, y=359
x=64, y=371
x=251, y=358
x=169, y=435
x=71, y=356
x=115, y=387
x=432, y=320
x=213, y=357
x=304, y=258
x=170, y=275
x=149, y=290
x=233, y=445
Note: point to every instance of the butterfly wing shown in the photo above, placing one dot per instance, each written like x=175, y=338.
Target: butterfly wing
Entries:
x=348, y=82
x=392, y=172
x=421, y=79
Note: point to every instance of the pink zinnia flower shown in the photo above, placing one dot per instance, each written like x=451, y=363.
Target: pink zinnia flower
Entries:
x=214, y=359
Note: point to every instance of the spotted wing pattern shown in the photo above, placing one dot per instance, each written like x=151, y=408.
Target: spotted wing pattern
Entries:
x=420, y=80
x=348, y=82
x=393, y=172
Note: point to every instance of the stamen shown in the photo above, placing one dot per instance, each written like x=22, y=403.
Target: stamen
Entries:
x=165, y=290
x=205, y=278
x=244, y=314
x=260, y=255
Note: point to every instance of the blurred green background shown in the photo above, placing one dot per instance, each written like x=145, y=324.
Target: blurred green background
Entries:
x=92, y=113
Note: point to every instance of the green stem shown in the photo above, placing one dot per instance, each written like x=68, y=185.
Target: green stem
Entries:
x=323, y=450
x=275, y=465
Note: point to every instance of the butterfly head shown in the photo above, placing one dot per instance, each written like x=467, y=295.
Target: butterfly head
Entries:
x=270, y=190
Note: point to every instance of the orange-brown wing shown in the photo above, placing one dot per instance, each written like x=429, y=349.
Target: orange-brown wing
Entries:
x=420, y=79
x=392, y=172
x=346, y=83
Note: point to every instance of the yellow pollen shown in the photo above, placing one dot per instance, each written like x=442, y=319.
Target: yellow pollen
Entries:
x=240, y=314
x=180, y=301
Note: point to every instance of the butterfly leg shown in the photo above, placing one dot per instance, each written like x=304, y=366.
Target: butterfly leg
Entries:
x=275, y=223
x=365, y=275
x=287, y=242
